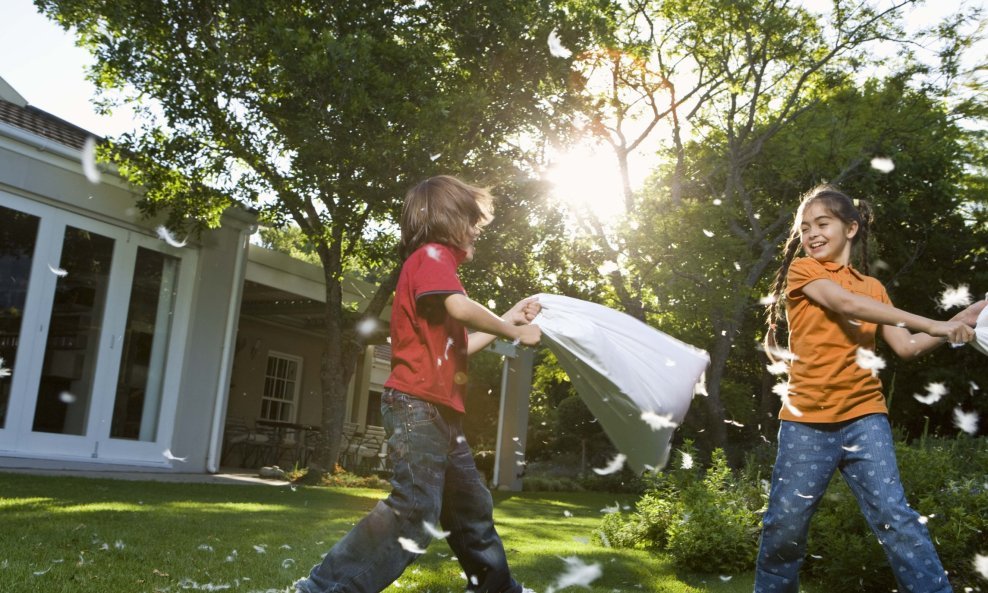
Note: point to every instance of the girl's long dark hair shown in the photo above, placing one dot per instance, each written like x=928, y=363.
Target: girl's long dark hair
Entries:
x=842, y=207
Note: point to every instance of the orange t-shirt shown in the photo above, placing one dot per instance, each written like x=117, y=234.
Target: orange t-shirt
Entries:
x=826, y=383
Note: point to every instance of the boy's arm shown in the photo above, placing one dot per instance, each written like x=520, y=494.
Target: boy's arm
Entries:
x=488, y=326
x=897, y=323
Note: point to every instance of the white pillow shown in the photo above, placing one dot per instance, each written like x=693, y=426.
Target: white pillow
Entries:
x=637, y=381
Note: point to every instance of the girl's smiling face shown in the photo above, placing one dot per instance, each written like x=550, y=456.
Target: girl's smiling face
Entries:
x=825, y=237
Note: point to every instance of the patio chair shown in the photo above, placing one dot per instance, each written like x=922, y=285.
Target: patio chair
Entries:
x=238, y=436
x=371, y=452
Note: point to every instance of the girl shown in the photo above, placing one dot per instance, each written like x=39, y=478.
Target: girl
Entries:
x=435, y=480
x=834, y=415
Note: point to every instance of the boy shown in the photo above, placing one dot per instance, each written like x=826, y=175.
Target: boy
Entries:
x=435, y=480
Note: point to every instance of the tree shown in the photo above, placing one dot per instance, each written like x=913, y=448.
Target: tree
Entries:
x=923, y=239
x=321, y=113
x=738, y=74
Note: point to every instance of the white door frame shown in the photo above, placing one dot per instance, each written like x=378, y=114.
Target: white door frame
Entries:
x=96, y=443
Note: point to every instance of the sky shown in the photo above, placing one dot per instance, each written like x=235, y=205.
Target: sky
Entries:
x=41, y=62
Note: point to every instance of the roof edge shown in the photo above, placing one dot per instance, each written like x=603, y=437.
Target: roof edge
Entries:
x=9, y=94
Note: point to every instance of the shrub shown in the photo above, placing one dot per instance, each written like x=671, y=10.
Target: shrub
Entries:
x=945, y=481
x=550, y=484
x=705, y=520
x=716, y=530
x=709, y=520
x=644, y=529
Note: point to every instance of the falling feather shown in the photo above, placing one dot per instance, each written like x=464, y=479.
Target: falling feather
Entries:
x=165, y=235
x=577, y=573
x=882, y=164
x=782, y=390
x=614, y=466
x=168, y=455
x=89, y=160
x=687, y=461
x=780, y=367
x=867, y=359
x=433, y=252
x=955, y=297
x=367, y=326
x=410, y=545
x=981, y=565
x=658, y=422
x=934, y=392
x=966, y=421
x=556, y=47
x=434, y=531
x=778, y=353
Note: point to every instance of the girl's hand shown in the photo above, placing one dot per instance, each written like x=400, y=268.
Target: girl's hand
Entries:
x=955, y=332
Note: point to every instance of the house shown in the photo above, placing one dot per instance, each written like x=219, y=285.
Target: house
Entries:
x=122, y=350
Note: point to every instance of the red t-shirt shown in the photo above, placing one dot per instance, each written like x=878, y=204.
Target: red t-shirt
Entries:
x=428, y=347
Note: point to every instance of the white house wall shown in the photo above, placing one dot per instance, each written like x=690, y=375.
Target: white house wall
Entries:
x=39, y=170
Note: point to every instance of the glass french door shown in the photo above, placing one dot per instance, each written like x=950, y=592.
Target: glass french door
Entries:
x=18, y=237
x=88, y=335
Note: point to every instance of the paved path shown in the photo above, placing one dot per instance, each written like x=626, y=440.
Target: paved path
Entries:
x=42, y=468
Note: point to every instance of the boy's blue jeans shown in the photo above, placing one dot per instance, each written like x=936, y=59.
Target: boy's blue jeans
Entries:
x=435, y=479
x=864, y=452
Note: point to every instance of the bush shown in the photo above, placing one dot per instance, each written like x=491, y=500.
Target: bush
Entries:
x=709, y=520
x=945, y=481
x=716, y=530
x=706, y=521
x=550, y=484
x=644, y=529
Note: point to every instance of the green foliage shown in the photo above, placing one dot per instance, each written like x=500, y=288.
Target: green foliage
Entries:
x=716, y=531
x=944, y=481
x=706, y=521
x=321, y=114
x=290, y=240
x=550, y=484
x=644, y=529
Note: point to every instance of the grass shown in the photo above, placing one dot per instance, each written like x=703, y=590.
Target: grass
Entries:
x=80, y=535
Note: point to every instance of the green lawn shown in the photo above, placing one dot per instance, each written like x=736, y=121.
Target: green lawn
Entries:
x=68, y=534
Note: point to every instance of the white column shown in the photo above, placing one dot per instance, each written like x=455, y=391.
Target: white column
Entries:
x=512, y=431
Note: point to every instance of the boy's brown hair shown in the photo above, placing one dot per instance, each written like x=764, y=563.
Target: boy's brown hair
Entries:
x=442, y=209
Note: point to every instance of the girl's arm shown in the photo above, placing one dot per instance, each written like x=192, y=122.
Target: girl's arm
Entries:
x=909, y=345
x=896, y=322
x=489, y=326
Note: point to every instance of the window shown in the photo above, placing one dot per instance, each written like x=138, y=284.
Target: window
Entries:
x=374, y=408
x=281, y=387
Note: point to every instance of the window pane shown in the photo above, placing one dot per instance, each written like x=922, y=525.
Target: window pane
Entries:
x=18, y=234
x=145, y=345
x=278, y=399
x=74, y=332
